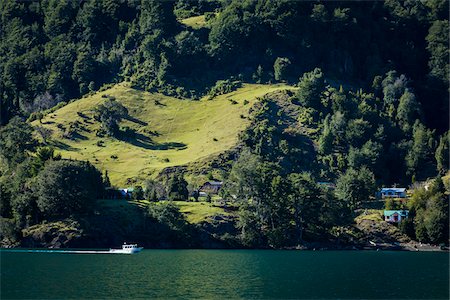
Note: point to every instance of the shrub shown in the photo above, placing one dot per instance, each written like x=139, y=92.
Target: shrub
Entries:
x=138, y=193
x=67, y=187
x=224, y=87
x=168, y=214
x=177, y=188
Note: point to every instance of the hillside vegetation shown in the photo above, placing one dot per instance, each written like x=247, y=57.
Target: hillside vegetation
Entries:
x=367, y=111
x=163, y=131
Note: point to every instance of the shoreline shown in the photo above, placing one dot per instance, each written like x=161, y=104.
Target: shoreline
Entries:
x=409, y=247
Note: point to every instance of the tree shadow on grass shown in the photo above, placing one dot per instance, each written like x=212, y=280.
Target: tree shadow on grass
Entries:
x=134, y=120
x=140, y=140
x=63, y=146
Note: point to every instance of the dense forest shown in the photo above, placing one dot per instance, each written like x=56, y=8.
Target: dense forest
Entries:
x=369, y=108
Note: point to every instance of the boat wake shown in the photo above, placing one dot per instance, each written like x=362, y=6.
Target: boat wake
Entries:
x=126, y=249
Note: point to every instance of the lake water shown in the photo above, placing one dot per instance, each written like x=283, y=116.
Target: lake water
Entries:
x=220, y=274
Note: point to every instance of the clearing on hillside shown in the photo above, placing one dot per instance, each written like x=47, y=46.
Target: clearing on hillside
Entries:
x=195, y=22
x=162, y=131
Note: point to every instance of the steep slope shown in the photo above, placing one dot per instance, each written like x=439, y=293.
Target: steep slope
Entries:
x=165, y=131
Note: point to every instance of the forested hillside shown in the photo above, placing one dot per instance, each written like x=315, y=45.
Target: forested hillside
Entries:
x=150, y=93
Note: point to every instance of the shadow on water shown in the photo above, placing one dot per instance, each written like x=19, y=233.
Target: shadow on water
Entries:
x=140, y=140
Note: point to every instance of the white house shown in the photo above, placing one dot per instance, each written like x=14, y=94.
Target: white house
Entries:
x=393, y=193
x=395, y=216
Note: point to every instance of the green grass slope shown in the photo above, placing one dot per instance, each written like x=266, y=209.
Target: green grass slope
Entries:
x=195, y=22
x=168, y=131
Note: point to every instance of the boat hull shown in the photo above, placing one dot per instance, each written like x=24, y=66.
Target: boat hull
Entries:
x=125, y=251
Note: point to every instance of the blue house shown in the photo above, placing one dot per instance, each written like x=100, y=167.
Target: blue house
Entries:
x=395, y=216
x=392, y=193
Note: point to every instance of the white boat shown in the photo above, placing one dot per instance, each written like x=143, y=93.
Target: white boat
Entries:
x=127, y=249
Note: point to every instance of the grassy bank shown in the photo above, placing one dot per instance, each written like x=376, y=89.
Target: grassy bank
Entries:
x=166, y=131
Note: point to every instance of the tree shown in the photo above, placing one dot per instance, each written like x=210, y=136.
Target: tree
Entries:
x=393, y=87
x=177, y=188
x=138, y=193
x=154, y=190
x=208, y=198
x=438, y=46
x=195, y=195
x=408, y=110
x=326, y=138
x=430, y=213
x=67, y=187
x=310, y=88
x=357, y=131
x=59, y=16
x=44, y=132
x=419, y=159
x=168, y=214
x=443, y=154
x=106, y=181
x=304, y=202
x=110, y=113
x=84, y=68
x=280, y=68
x=369, y=155
x=258, y=75
x=355, y=186
x=16, y=140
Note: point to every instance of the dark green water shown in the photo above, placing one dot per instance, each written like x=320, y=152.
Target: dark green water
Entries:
x=226, y=274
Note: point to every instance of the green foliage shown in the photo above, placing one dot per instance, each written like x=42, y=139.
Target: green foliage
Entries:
x=442, y=153
x=16, y=140
x=154, y=190
x=369, y=155
x=67, y=187
x=281, y=68
x=223, y=87
x=408, y=110
x=310, y=88
x=276, y=210
x=258, y=76
x=438, y=48
x=110, y=113
x=355, y=186
x=168, y=214
x=138, y=193
x=430, y=213
x=208, y=198
x=326, y=138
x=419, y=159
x=177, y=187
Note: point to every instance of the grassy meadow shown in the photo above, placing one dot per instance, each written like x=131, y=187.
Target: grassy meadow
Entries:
x=195, y=22
x=167, y=131
x=194, y=212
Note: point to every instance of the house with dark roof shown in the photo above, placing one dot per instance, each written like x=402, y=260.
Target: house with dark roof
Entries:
x=211, y=187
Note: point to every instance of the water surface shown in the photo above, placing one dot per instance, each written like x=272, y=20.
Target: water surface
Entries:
x=226, y=274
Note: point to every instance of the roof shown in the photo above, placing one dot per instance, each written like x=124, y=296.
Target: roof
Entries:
x=219, y=183
x=388, y=213
x=397, y=190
